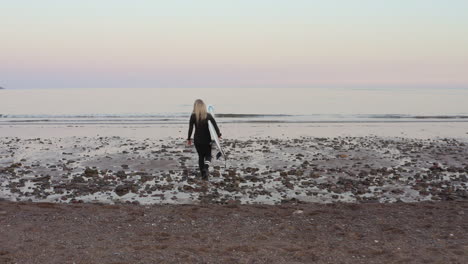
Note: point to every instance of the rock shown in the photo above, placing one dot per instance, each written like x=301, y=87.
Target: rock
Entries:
x=123, y=189
x=435, y=167
x=215, y=173
x=43, y=178
x=91, y=172
x=121, y=174
x=16, y=165
x=363, y=173
x=249, y=178
x=397, y=191
x=251, y=170
x=78, y=179
x=145, y=178
x=314, y=175
x=7, y=170
x=288, y=184
x=188, y=188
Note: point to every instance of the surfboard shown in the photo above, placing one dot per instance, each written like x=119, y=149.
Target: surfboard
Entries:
x=214, y=135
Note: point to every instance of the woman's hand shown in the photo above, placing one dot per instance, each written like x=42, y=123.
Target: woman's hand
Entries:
x=189, y=142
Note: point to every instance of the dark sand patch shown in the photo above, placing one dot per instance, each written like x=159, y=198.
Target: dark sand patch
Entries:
x=427, y=232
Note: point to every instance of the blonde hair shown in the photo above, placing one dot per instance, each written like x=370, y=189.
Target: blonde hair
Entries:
x=199, y=109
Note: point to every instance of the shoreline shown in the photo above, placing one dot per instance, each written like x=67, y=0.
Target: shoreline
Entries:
x=243, y=131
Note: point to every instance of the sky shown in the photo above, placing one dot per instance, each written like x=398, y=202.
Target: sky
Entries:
x=226, y=43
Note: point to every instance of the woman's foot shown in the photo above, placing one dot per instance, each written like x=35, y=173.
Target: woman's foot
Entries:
x=205, y=173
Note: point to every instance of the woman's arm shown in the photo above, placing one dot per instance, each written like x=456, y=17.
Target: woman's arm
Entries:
x=191, y=124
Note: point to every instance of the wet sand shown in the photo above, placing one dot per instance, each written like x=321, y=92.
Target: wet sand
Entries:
x=245, y=131
x=258, y=171
x=426, y=232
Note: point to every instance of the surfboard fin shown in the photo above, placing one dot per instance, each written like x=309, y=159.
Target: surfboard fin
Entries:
x=218, y=155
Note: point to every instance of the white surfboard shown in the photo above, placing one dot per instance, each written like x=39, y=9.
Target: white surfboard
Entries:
x=214, y=135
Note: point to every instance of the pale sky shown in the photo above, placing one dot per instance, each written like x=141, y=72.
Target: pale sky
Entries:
x=227, y=43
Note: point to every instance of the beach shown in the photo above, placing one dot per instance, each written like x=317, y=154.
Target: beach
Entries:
x=132, y=194
x=342, y=127
x=97, y=185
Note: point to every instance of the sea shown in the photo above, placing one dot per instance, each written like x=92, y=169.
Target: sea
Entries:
x=232, y=105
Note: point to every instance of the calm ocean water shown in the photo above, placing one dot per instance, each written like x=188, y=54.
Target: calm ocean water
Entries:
x=153, y=106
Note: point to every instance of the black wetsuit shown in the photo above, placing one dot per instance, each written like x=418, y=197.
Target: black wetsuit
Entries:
x=202, y=139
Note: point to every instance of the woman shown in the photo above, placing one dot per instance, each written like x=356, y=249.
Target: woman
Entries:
x=202, y=137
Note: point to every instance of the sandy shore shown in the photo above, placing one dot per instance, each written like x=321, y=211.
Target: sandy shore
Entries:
x=245, y=131
x=426, y=232
x=86, y=195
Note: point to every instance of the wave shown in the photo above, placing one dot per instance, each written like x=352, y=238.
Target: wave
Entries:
x=176, y=118
x=249, y=115
x=94, y=115
x=228, y=115
x=234, y=115
x=396, y=116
